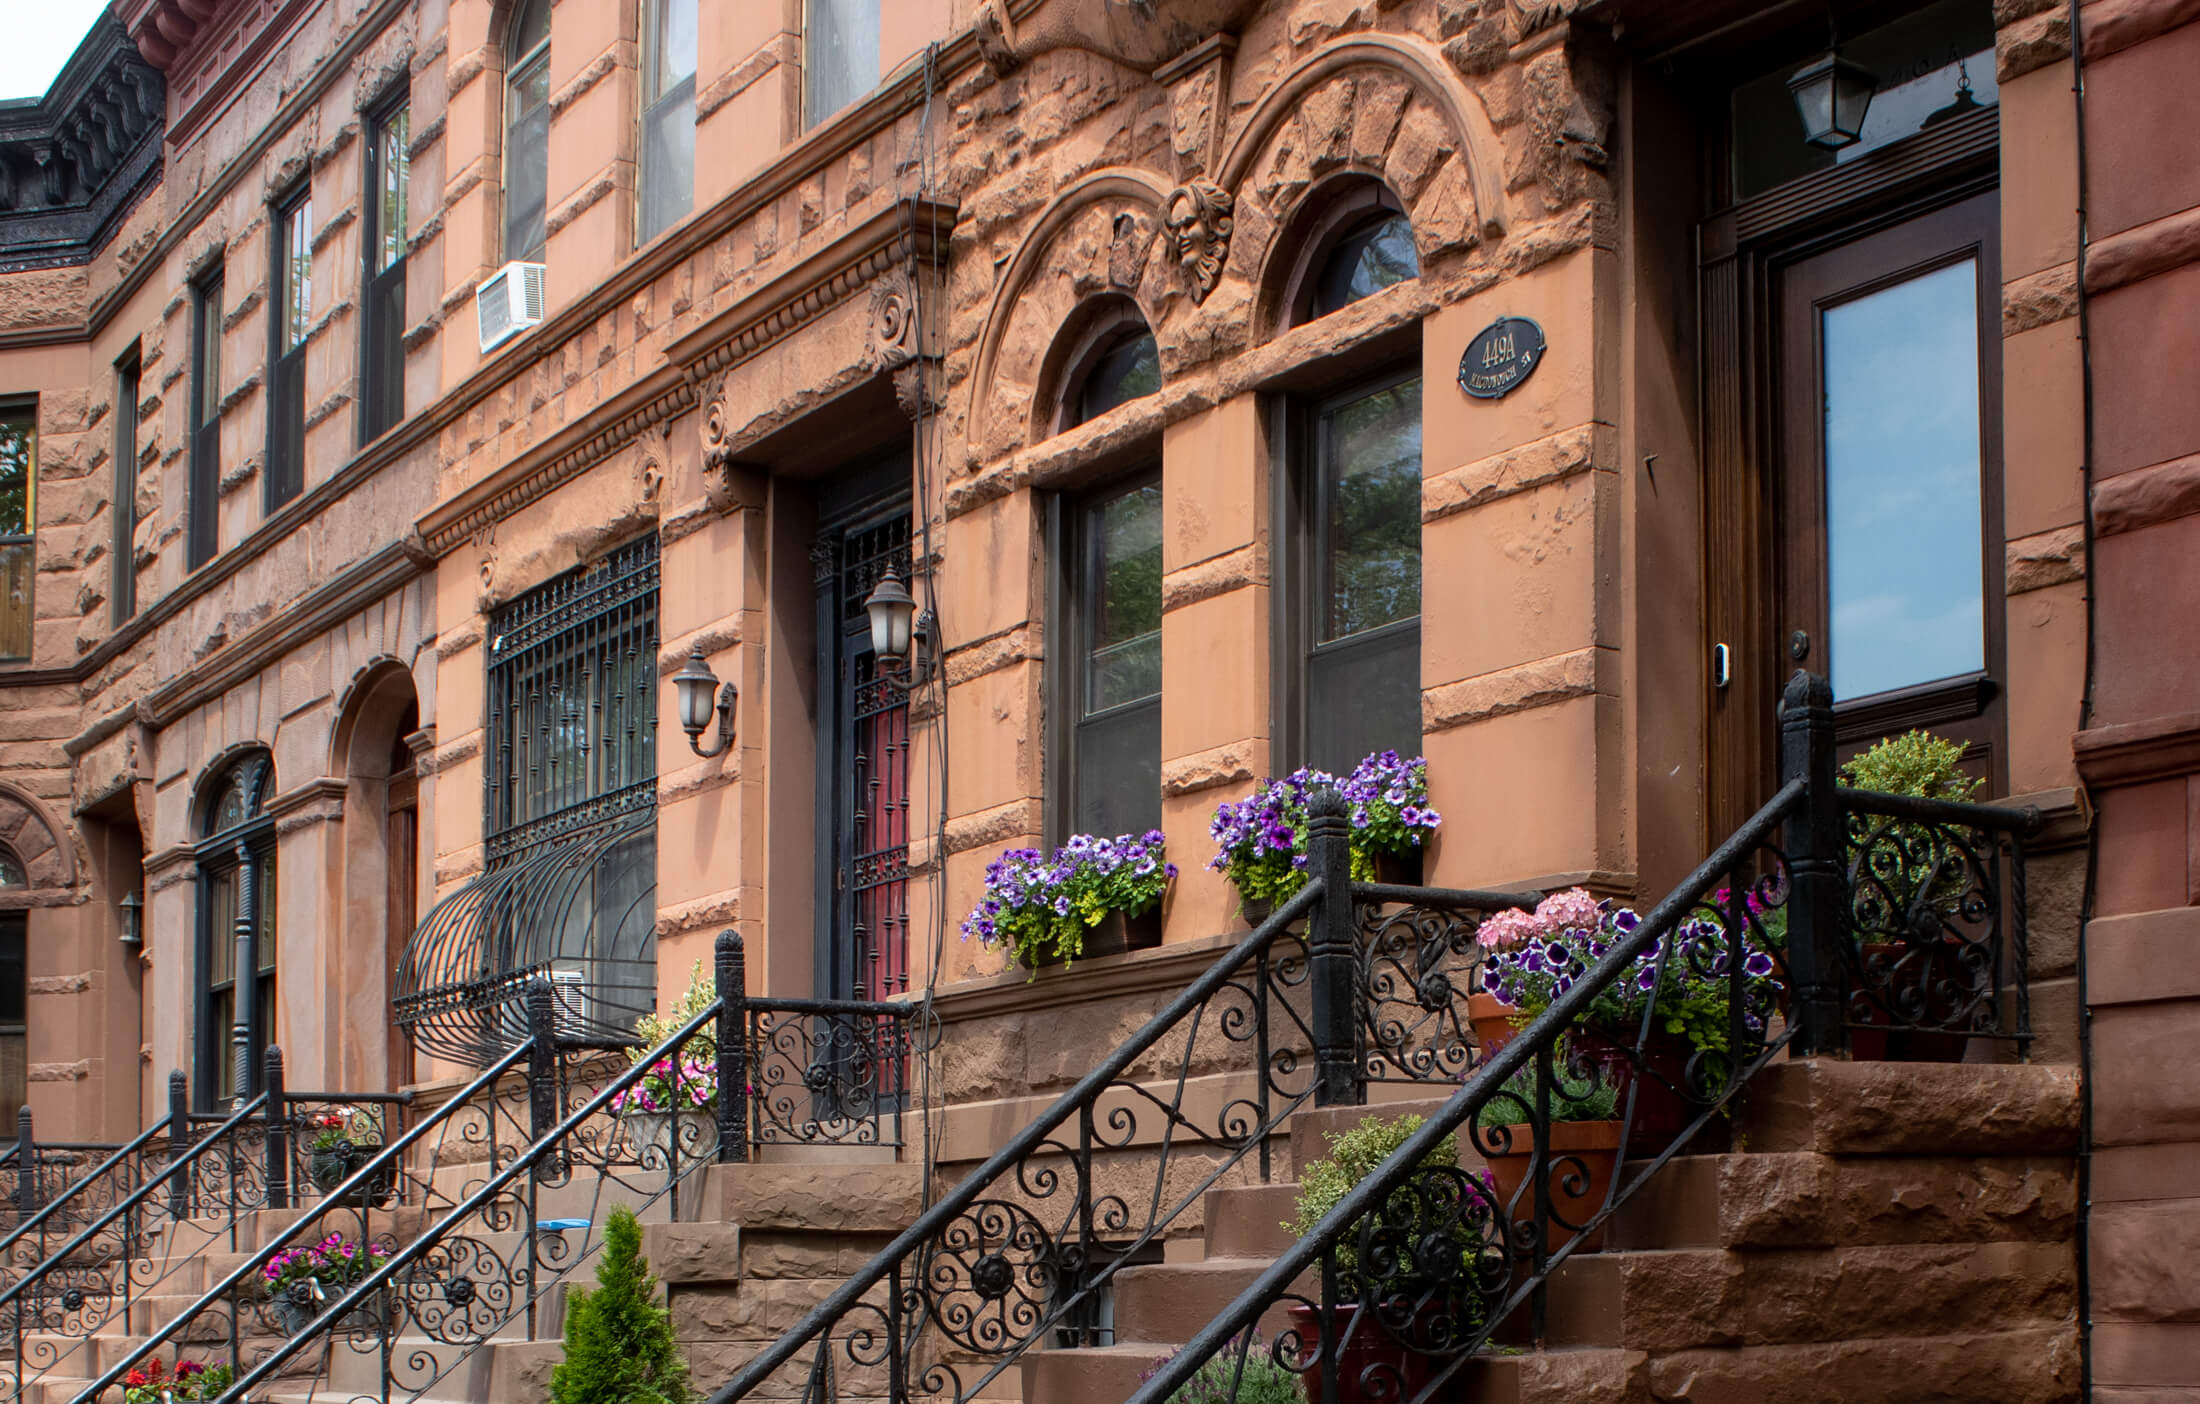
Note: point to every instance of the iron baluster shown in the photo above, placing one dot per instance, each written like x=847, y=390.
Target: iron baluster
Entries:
x=1333, y=955
x=276, y=1114
x=179, y=1139
x=1815, y=960
x=732, y=983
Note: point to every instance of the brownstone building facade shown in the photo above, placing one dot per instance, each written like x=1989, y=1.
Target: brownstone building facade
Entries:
x=395, y=395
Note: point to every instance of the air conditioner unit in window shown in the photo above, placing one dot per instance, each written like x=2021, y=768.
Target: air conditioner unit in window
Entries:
x=508, y=303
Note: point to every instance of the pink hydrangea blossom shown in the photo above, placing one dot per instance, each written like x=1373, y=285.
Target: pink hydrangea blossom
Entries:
x=1572, y=910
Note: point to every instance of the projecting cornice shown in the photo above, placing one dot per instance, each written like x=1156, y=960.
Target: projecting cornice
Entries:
x=72, y=161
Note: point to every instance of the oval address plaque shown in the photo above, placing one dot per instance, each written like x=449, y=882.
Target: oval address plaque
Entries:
x=1502, y=354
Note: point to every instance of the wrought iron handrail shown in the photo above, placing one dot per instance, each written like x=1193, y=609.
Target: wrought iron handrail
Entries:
x=1861, y=887
x=452, y=1284
x=65, y=1205
x=384, y=1167
x=542, y=1158
x=61, y=1276
x=1440, y=1312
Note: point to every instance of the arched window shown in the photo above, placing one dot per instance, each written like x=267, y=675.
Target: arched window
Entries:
x=1355, y=245
x=11, y=869
x=236, y=955
x=527, y=130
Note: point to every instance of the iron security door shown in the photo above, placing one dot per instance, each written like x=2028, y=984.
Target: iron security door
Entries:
x=863, y=952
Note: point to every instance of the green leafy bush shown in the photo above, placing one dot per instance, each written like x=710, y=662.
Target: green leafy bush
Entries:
x=1514, y=1102
x=1353, y=1156
x=1904, y=859
x=618, y=1341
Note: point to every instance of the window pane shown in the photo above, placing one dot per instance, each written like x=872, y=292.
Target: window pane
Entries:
x=125, y=499
x=1368, y=524
x=668, y=160
x=210, y=353
x=12, y=982
x=263, y=916
x=221, y=927
x=1369, y=259
x=839, y=55
x=1118, y=773
x=18, y=451
x=1363, y=695
x=527, y=159
x=16, y=566
x=297, y=272
x=393, y=160
x=221, y=1016
x=1131, y=369
x=1905, y=576
x=11, y=870
x=672, y=47
x=1123, y=599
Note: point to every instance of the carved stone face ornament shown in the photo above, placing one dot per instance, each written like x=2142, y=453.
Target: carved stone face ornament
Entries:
x=1199, y=228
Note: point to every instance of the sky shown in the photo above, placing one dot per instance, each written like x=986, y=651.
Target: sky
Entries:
x=40, y=36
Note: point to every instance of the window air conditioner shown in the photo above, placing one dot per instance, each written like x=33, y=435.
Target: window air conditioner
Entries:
x=508, y=303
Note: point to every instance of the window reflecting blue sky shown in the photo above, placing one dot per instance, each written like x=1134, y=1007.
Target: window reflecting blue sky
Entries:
x=1903, y=564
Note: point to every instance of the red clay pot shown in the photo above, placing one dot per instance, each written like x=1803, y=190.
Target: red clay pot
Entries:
x=1368, y=1348
x=1584, y=1158
x=1661, y=1113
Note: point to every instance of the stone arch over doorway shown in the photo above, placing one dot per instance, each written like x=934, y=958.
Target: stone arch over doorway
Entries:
x=371, y=751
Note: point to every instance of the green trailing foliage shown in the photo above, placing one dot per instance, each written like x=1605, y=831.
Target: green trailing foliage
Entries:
x=1583, y=1095
x=1220, y=1381
x=619, y=1347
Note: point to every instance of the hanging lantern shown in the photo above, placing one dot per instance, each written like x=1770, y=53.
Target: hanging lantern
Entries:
x=1832, y=96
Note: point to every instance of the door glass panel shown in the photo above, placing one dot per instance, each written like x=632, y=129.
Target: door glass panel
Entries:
x=1904, y=574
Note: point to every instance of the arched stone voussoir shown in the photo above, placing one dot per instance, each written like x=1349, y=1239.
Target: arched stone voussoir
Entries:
x=1383, y=104
x=1101, y=236
x=39, y=839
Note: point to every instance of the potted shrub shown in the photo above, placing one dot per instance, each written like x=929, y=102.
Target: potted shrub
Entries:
x=1902, y=902
x=191, y=1380
x=1584, y=1150
x=1684, y=974
x=344, y=1140
x=1262, y=1380
x=1092, y=896
x=619, y=1346
x=1372, y=1364
x=676, y=1101
x=302, y=1281
x=1261, y=840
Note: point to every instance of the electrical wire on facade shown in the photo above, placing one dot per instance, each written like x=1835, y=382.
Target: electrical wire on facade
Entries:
x=924, y=269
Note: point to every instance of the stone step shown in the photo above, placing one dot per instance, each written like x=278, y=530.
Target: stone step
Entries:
x=1159, y=1302
x=1247, y=1221
x=1111, y=1374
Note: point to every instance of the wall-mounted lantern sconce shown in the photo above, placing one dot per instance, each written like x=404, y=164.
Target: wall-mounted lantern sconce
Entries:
x=900, y=638
x=1832, y=96
x=694, y=686
x=132, y=911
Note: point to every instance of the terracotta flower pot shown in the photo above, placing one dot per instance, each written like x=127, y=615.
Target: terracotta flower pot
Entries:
x=1400, y=869
x=1365, y=1349
x=1584, y=1158
x=1492, y=1021
x=1887, y=1045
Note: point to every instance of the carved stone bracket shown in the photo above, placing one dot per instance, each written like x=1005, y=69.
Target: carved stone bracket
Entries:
x=1142, y=34
x=1199, y=231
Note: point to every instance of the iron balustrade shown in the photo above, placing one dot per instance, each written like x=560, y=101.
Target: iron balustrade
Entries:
x=94, y=1276
x=481, y=1266
x=1871, y=915
x=1020, y=1252
x=473, y=1137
